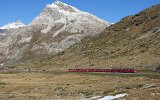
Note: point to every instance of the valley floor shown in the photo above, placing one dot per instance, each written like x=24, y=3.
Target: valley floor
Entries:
x=73, y=86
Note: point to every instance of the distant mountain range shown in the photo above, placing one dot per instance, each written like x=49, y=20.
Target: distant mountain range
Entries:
x=13, y=25
x=10, y=26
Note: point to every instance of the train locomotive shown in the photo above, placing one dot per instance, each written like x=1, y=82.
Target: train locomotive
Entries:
x=112, y=70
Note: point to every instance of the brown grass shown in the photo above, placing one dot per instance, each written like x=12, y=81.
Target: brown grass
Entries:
x=59, y=85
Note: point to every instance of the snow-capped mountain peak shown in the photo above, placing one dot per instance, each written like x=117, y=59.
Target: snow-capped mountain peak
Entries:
x=62, y=6
x=13, y=25
x=69, y=16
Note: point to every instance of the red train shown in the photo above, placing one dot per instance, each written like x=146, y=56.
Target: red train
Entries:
x=114, y=70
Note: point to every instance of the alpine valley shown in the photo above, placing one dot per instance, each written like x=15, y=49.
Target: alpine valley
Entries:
x=37, y=61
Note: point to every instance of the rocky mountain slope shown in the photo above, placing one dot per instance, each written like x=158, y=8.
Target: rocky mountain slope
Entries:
x=2, y=32
x=57, y=28
x=132, y=42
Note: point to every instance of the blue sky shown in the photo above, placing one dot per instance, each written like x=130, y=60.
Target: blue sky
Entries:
x=110, y=10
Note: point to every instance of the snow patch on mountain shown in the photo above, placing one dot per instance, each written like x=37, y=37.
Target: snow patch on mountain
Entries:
x=13, y=25
x=63, y=7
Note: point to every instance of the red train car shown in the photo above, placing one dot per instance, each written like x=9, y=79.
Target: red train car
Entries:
x=113, y=70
